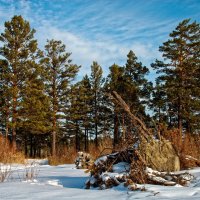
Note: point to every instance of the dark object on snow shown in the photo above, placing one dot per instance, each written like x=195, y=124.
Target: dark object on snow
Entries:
x=83, y=160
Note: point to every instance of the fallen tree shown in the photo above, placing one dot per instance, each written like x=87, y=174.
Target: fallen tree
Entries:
x=142, y=163
x=128, y=168
x=157, y=154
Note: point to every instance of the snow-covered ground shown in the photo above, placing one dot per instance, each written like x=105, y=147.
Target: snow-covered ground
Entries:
x=67, y=182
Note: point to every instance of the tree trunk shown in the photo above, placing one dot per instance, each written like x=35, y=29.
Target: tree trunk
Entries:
x=180, y=119
x=124, y=133
x=14, y=120
x=85, y=139
x=25, y=146
x=77, y=138
x=54, y=143
x=55, y=109
x=6, y=124
x=135, y=120
x=7, y=121
x=116, y=130
x=96, y=127
x=31, y=145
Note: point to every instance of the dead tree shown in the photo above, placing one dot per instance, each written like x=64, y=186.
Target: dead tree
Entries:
x=117, y=99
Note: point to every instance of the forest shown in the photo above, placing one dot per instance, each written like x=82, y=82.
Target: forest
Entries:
x=46, y=111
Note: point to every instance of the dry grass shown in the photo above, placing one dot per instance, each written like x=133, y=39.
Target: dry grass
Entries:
x=187, y=147
x=68, y=155
x=105, y=146
x=190, y=154
x=7, y=155
x=64, y=156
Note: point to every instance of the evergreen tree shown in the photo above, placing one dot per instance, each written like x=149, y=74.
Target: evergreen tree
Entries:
x=158, y=103
x=86, y=109
x=131, y=84
x=19, y=47
x=74, y=117
x=4, y=99
x=137, y=87
x=115, y=82
x=96, y=81
x=80, y=113
x=61, y=73
x=35, y=107
x=180, y=74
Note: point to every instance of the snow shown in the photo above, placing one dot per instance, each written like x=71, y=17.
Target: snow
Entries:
x=121, y=167
x=67, y=182
x=100, y=160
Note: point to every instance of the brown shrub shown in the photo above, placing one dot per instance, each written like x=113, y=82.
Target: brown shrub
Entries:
x=7, y=155
x=65, y=155
x=187, y=147
x=105, y=146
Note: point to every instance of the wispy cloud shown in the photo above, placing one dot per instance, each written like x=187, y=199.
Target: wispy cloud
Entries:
x=103, y=30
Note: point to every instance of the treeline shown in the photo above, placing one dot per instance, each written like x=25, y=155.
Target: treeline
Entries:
x=42, y=108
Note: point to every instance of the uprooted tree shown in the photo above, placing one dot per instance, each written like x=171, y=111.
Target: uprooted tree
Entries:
x=157, y=153
x=150, y=159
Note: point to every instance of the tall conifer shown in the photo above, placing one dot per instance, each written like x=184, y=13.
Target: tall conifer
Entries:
x=60, y=74
x=19, y=47
x=179, y=74
x=96, y=80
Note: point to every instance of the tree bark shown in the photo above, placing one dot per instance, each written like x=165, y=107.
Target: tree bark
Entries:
x=135, y=120
x=54, y=143
x=96, y=127
x=77, y=138
x=86, y=139
x=7, y=121
x=116, y=130
x=180, y=120
x=55, y=109
x=14, y=121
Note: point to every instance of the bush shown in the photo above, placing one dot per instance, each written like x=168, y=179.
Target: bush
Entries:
x=64, y=156
x=7, y=155
x=105, y=146
x=187, y=147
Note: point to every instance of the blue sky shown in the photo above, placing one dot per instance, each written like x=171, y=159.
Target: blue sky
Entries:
x=103, y=30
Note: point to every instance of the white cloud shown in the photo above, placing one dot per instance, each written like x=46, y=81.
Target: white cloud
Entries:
x=85, y=51
x=99, y=31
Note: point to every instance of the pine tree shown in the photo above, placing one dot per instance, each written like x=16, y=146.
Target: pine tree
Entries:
x=61, y=73
x=158, y=103
x=2, y=102
x=19, y=47
x=179, y=74
x=86, y=92
x=79, y=119
x=131, y=84
x=35, y=106
x=115, y=82
x=137, y=86
x=4, y=99
x=96, y=81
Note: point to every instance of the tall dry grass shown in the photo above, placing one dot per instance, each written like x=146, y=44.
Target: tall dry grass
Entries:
x=68, y=155
x=7, y=155
x=187, y=147
x=65, y=155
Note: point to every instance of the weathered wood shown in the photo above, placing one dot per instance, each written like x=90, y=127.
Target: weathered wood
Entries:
x=117, y=99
